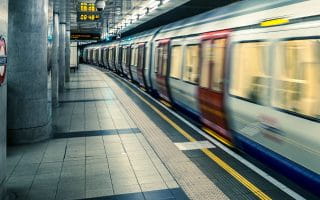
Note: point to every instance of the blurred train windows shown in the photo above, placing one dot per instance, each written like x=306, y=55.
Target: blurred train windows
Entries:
x=250, y=76
x=124, y=56
x=141, y=56
x=298, y=78
x=218, y=52
x=158, y=59
x=176, y=61
x=206, y=62
x=134, y=56
x=191, y=67
x=164, y=57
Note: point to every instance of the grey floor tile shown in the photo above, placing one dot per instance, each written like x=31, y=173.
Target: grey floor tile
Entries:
x=126, y=189
x=99, y=185
x=41, y=194
x=49, y=168
x=153, y=186
x=172, y=184
x=150, y=179
x=99, y=193
x=124, y=181
x=25, y=169
x=71, y=194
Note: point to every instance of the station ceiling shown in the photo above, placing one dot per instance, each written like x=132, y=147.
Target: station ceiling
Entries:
x=118, y=11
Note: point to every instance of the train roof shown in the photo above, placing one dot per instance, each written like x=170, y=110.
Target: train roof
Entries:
x=145, y=35
x=232, y=10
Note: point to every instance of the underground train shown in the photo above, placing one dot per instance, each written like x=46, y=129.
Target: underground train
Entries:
x=249, y=72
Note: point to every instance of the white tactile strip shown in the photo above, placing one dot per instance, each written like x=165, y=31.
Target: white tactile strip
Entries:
x=184, y=146
x=187, y=174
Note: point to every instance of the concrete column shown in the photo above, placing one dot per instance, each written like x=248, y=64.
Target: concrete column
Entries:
x=3, y=98
x=55, y=61
x=68, y=54
x=28, y=114
x=62, y=44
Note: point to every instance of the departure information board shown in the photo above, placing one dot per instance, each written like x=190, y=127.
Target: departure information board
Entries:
x=85, y=36
x=88, y=12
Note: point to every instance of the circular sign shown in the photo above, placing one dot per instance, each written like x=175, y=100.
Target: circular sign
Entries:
x=3, y=59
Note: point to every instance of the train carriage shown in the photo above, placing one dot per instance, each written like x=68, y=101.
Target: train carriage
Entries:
x=249, y=71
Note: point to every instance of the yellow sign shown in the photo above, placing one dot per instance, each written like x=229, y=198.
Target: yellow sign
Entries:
x=274, y=22
x=87, y=7
x=92, y=17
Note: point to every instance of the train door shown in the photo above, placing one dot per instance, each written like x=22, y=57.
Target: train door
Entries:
x=124, y=61
x=211, y=87
x=141, y=65
x=119, y=59
x=128, y=63
x=162, y=65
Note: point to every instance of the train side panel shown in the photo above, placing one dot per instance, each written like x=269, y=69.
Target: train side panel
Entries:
x=274, y=98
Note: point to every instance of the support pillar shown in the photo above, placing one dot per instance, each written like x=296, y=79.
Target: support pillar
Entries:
x=55, y=61
x=28, y=114
x=3, y=96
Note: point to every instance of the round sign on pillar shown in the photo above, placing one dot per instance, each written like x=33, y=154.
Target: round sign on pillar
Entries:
x=3, y=59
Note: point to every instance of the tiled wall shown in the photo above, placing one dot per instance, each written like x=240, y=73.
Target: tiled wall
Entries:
x=3, y=99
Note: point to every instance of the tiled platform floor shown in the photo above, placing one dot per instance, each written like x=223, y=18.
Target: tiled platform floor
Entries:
x=97, y=152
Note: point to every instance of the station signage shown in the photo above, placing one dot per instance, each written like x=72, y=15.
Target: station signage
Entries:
x=3, y=59
x=85, y=36
x=88, y=12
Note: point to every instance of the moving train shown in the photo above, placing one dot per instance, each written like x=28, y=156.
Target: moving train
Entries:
x=249, y=72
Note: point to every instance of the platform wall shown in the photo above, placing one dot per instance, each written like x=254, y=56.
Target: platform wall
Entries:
x=3, y=101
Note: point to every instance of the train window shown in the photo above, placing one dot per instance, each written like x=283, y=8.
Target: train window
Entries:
x=158, y=60
x=164, y=60
x=141, y=56
x=250, y=75
x=133, y=57
x=191, y=67
x=297, y=83
x=218, y=52
x=206, y=62
x=176, y=60
x=136, y=57
x=124, y=56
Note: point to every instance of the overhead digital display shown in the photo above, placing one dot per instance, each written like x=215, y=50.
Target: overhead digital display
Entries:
x=88, y=12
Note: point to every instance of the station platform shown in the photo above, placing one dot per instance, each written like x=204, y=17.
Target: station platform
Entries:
x=112, y=141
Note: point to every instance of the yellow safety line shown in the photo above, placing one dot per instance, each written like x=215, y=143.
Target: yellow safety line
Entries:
x=166, y=103
x=217, y=136
x=260, y=194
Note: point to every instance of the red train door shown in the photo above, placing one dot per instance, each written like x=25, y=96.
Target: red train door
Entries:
x=141, y=65
x=211, y=94
x=162, y=69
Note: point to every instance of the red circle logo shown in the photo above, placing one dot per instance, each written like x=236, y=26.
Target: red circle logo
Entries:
x=3, y=59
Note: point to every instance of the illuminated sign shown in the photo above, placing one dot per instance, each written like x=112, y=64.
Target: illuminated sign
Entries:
x=87, y=7
x=274, y=22
x=3, y=59
x=85, y=36
x=88, y=17
x=88, y=12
